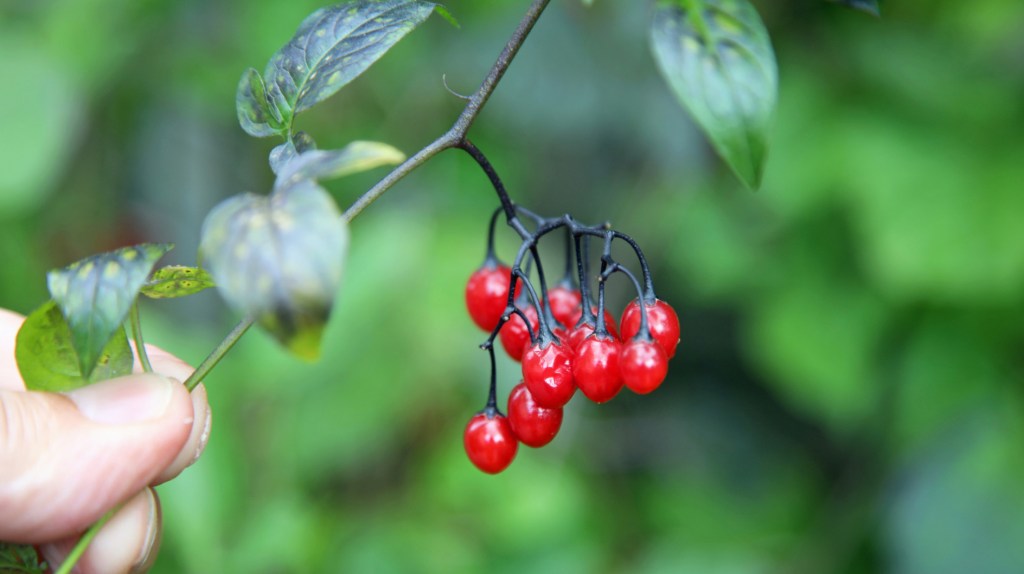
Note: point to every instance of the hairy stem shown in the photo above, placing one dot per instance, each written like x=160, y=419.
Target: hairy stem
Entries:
x=457, y=134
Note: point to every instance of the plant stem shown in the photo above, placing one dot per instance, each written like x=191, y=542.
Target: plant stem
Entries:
x=215, y=356
x=457, y=134
x=140, y=346
x=83, y=543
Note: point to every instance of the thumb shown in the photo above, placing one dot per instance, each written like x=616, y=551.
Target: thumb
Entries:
x=67, y=459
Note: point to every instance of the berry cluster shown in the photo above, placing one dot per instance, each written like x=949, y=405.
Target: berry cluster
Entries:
x=563, y=339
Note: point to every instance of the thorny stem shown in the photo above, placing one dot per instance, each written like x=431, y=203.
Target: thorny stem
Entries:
x=457, y=134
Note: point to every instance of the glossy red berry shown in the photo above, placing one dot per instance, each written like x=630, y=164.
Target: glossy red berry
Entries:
x=490, y=442
x=547, y=372
x=487, y=294
x=643, y=365
x=514, y=336
x=609, y=323
x=661, y=319
x=565, y=305
x=595, y=368
x=532, y=424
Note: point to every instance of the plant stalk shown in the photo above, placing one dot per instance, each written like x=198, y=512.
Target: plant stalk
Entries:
x=455, y=136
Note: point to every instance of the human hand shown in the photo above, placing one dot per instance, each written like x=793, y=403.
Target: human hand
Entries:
x=68, y=458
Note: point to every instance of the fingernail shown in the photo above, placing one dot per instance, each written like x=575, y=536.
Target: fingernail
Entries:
x=152, y=543
x=126, y=400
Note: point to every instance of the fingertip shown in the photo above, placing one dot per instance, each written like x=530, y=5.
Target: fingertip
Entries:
x=197, y=439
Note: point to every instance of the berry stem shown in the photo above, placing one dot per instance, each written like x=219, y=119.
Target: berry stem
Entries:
x=582, y=262
x=492, y=393
x=490, y=256
x=645, y=332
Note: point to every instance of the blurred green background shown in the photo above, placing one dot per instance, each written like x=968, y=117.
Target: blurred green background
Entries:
x=847, y=397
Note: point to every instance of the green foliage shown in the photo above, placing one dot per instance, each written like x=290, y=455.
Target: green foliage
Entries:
x=332, y=47
x=20, y=559
x=885, y=237
x=330, y=164
x=284, y=153
x=47, y=358
x=96, y=293
x=716, y=56
x=279, y=260
x=869, y=6
x=176, y=281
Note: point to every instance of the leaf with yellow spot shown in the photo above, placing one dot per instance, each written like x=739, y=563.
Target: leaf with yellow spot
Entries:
x=332, y=47
x=96, y=293
x=279, y=259
x=47, y=359
x=176, y=281
x=328, y=164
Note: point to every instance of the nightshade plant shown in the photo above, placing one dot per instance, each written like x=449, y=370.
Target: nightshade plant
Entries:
x=277, y=259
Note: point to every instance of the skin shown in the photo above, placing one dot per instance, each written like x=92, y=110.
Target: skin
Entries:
x=67, y=458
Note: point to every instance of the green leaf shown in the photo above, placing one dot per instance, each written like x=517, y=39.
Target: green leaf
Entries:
x=869, y=6
x=96, y=293
x=328, y=164
x=176, y=281
x=284, y=153
x=48, y=360
x=716, y=56
x=331, y=48
x=258, y=111
x=279, y=259
x=20, y=559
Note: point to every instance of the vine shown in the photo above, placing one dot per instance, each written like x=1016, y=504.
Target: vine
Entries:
x=277, y=259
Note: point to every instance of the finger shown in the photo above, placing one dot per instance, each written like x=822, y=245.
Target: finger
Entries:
x=66, y=459
x=10, y=378
x=127, y=543
x=197, y=438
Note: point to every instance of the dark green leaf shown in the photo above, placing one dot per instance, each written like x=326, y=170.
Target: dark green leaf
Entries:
x=176, y=281
x=284, y=153
x=258, y=111
x=869, y=6
x=20, y=559
x=279, y=259
x=331, y=48
x=718, y=59
x=327, y=164
x=47, y=358
x=96, y=293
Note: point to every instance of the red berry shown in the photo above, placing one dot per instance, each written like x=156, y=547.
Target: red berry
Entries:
x=565, y=304
x=513, y=334
x=595, y=368
x=578, y=334
x=643, y=365
x=487, y=294
x=609, y=322
x=547, y=372
x=490, y=442
x=661, y=319
x=532, y=424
